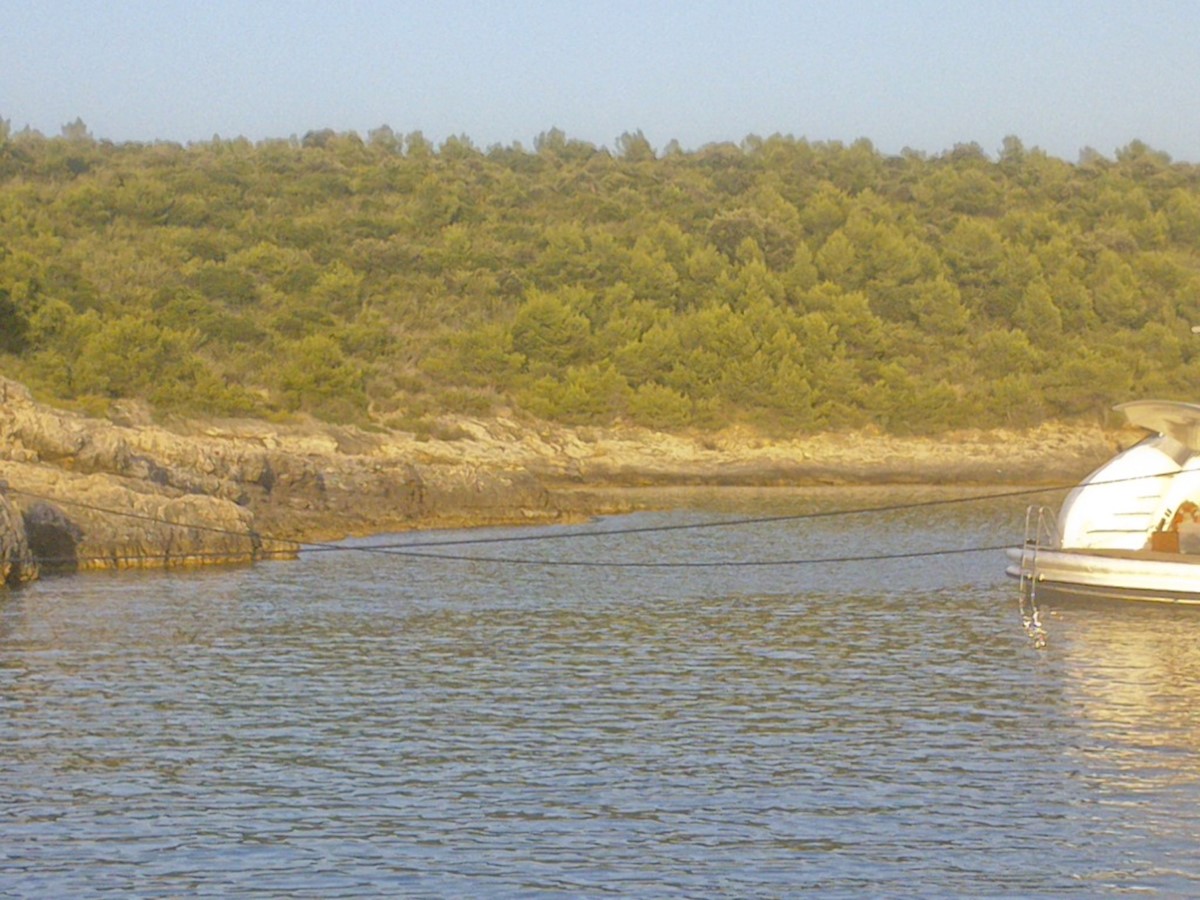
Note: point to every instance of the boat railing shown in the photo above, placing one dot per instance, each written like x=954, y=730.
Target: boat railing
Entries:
x=1041, y=533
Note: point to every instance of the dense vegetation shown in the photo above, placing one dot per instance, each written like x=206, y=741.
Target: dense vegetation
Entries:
x=782, y=283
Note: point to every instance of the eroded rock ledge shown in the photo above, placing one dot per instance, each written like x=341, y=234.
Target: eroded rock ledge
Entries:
x=91, y=493
x=17, y=564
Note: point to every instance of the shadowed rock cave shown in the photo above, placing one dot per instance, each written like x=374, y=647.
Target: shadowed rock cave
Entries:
x=53, y=538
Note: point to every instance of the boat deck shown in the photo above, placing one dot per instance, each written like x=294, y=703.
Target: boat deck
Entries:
x=1111, y=574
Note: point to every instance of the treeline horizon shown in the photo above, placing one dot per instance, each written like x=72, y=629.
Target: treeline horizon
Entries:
x=783, y=284
x=80, y=129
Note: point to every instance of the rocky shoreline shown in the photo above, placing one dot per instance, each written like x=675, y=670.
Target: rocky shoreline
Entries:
x=79, y=493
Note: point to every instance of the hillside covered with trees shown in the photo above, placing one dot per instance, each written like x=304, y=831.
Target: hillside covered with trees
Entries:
x=788, y=285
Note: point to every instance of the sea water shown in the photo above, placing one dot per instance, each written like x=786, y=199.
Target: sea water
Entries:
x=580, y=719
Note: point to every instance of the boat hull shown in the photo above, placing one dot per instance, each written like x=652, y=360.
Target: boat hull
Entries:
x=1111, y=575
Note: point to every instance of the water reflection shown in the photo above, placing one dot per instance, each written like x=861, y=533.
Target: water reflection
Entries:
x=1133, y=671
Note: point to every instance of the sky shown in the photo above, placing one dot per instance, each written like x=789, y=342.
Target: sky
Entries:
x=925, y=75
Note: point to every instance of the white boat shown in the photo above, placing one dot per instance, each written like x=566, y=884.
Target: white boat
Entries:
x=1131, y=529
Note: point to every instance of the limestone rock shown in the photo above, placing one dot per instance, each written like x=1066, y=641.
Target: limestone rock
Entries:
x=101, y=493
x=17, y=564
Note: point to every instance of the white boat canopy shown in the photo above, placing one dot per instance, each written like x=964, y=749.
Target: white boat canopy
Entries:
x=1179, y=421
x=1142, y=490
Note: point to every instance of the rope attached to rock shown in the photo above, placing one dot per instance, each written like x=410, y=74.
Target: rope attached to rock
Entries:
x=421, y=548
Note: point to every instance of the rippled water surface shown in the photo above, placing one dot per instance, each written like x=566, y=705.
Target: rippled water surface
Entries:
x=362, y=724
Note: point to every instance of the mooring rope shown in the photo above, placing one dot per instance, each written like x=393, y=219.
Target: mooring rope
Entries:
x=692, y=564
x=723, y=523
x=420, y=548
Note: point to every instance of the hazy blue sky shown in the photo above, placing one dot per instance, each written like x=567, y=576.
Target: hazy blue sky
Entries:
x=926, y=74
